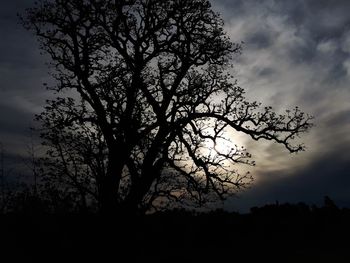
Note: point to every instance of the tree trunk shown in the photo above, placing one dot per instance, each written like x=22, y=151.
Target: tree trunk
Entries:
x=140, y=189
x=108, y=196
x=108, y=192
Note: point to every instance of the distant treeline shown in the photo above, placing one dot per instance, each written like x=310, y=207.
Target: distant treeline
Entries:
x=277, y=232
x=28, y=199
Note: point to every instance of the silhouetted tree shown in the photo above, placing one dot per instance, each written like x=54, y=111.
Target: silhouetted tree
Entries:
x=4, y=198
x=7, y=190
x=2, y=173
x=329, y=204
x=144, y=90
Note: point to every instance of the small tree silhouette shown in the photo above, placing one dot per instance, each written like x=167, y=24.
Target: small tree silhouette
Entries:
x=329, y=204
x=143, y=90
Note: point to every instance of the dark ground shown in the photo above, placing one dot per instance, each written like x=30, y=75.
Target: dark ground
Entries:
x=276, y=233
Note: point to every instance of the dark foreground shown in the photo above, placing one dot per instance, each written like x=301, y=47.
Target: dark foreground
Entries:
x=284, y=233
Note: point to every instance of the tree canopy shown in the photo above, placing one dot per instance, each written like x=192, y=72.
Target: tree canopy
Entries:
x=143, y=91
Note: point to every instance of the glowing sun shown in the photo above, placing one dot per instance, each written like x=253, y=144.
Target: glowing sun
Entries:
x=221, y=146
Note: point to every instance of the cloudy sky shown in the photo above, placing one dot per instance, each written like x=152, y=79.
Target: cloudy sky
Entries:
x=296, y=53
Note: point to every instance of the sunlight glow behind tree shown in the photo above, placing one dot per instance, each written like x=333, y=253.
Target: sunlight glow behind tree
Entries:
x=154, y=92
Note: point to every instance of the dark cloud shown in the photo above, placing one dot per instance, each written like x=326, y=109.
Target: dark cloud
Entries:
x=22, y=72
x=327, y=175
x=260, y=40
x=16, y=55
x=313, y=21
x=265, y=72
x=297, y=53
x=13, y=119
x=342, y=117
